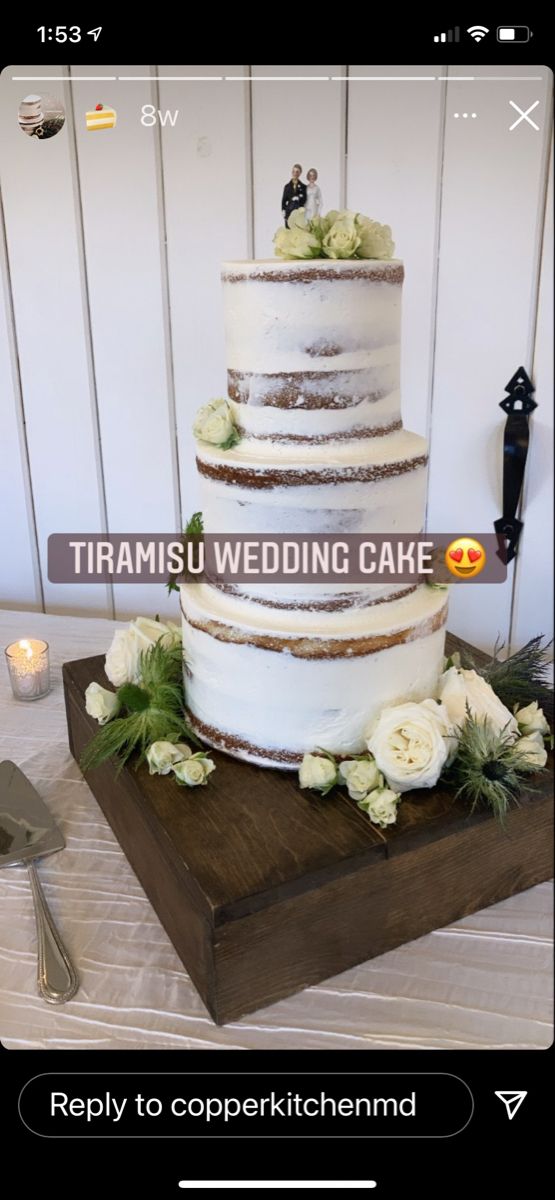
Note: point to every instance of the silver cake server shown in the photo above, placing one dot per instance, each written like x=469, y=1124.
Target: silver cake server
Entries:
x=28, y=831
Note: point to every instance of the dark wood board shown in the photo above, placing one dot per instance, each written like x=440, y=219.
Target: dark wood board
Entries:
x=265, y=888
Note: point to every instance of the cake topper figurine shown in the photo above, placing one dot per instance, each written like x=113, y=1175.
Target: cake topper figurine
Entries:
x=294, y=193
x=313, y=206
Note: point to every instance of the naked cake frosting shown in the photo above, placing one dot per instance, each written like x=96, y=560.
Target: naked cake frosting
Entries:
x=313, y=379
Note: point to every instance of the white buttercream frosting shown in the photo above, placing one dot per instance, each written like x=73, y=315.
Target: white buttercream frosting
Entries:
x=313, y=351
x=321, y=346
x=273, y=700
x=389, y=504
x=397, y=447
x=201, y=602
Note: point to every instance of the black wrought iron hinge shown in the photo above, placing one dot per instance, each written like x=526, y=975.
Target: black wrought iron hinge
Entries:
x=518, y=405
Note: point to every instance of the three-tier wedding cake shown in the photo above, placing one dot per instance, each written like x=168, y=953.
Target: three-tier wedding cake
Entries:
x=313, y=358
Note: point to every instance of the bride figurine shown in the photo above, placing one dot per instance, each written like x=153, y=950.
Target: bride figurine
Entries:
x=313, y=203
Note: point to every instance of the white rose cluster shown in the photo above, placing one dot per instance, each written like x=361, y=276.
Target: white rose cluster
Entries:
x=339, y=234
x=123, y=659
x=161, y=756
x=190, y=770
x=363, y=780
x=410, y=744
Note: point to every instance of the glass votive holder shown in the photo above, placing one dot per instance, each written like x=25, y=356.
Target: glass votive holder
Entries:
x=29, y=668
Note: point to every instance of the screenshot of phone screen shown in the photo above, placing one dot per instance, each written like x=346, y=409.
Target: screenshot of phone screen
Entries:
x=276, y=421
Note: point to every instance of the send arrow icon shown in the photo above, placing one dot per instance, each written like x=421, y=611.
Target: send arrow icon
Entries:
x=512, y=1101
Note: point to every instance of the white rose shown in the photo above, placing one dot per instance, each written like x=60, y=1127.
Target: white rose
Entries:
x=100, y=703
x=214, y=423
x=361, y=777
x=123, y=657
x=317, y=772
x=298, y=240
x=381, y=806
x=411, y=744
x=161, y=756
x=532, y=750
x=375, y=239
x=342, y=239
x=457, y=689
x=194, y=771
x=531, y=719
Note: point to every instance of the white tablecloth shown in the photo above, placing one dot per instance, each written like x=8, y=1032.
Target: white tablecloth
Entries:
x=482, y=983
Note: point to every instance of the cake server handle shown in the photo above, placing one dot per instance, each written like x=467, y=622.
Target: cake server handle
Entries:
x=56, y=976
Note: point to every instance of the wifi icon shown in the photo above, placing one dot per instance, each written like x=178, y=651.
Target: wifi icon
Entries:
x=477, y=32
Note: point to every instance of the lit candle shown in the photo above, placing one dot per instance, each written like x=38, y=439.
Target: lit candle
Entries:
x=29, y=668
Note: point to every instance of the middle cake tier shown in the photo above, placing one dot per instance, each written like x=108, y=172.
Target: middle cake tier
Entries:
x=369, y=486
x=353, y=487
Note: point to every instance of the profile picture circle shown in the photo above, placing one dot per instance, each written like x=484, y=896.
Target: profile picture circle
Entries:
x=41, y=116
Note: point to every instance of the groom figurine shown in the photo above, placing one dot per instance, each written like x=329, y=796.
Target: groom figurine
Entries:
x=294, y=193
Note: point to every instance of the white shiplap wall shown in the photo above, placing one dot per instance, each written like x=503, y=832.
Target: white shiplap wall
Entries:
x=111, y=321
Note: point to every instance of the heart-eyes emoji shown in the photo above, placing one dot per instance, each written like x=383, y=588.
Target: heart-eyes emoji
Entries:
x=465, y=558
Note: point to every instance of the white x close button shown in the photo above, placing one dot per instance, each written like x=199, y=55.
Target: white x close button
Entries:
x=524, y=116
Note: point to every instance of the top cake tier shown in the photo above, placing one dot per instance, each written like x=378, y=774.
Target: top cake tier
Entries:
x=313, y=347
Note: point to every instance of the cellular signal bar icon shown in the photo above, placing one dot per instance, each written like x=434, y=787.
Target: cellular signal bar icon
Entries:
x=452, y=35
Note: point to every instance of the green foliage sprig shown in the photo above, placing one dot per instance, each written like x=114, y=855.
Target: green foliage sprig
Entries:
x=193, y=528
x=521, y=678
x=233, y=440
x=153, y=711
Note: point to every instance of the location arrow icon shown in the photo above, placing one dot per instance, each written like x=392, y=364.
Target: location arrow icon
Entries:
x=512, y=1101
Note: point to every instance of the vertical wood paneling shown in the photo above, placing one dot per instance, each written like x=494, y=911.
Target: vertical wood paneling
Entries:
x=489, y=247
x=206, y=160
x=19, y=574
x=294, y=120
x=118, y=174
x=394, y=175
x=115, y=241
x=533, y=600
x=42, y=232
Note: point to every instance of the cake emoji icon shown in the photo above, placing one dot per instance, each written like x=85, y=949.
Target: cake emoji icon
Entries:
x=101, y=117
x=30, y=114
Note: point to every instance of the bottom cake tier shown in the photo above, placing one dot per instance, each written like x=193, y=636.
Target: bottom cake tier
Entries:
x=269, y=685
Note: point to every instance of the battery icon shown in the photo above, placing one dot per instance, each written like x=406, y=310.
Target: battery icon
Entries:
x=513, y=33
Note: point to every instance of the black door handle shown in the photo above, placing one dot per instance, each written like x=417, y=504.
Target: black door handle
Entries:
x=518, y=405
